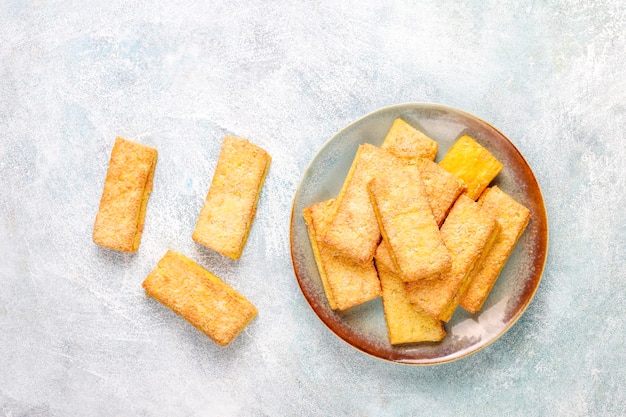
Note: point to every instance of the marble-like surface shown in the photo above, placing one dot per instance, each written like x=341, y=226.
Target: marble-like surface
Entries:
x=79, y=337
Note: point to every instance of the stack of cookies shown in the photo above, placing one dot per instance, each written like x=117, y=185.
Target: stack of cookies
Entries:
x=425, y=236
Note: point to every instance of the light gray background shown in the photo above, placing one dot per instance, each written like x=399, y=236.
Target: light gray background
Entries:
x=78, y=337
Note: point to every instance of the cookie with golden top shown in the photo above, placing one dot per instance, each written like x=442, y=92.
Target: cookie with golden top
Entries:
x=404, y=141
x=353, y=229
x=512, y=218
x=407, y=223
x=120, y=219
x=406, y=323
x=204, y=300
x=474, y=165
x=230, y=205
x=468, y=232
x=441, y=187
x=346, y=282
x=413, y=147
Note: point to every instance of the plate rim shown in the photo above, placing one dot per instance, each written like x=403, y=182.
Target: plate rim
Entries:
x=539, y=274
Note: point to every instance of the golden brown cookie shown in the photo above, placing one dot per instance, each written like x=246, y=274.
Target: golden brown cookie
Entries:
x=474, y=165
x=230, y=205
x=404, y=141
x=407, y=223
x=441, y=187
x=353, y=229
x=346, y=282
x=406, y=323
x=120, y=219
x=512, y=218
x=207, y=302
x=468, y=233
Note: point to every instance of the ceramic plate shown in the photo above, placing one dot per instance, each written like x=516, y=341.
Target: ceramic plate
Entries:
x=364, y=326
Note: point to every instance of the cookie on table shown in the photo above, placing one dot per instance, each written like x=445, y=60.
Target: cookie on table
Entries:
x=120, y=219
x=230, y=205
x=204, y=300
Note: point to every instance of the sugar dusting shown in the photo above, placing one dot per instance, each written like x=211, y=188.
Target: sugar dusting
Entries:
x=79, y=335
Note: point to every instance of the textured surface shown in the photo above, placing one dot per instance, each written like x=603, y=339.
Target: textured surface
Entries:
x=79, y=337
x=441, y=187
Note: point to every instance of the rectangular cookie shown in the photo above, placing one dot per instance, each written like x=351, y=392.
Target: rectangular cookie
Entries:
x=474, y=165
x=406, y=323
x=407, y=223
x=353, y=229
x=467, y=232
x=346, y=282
x=230, y=205
x=441, y=187
x=207, y=302
x=120, y=219
x=512, y=218
x=404, y=141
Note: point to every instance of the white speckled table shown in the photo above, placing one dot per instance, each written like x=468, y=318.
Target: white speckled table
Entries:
x=78, y=336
